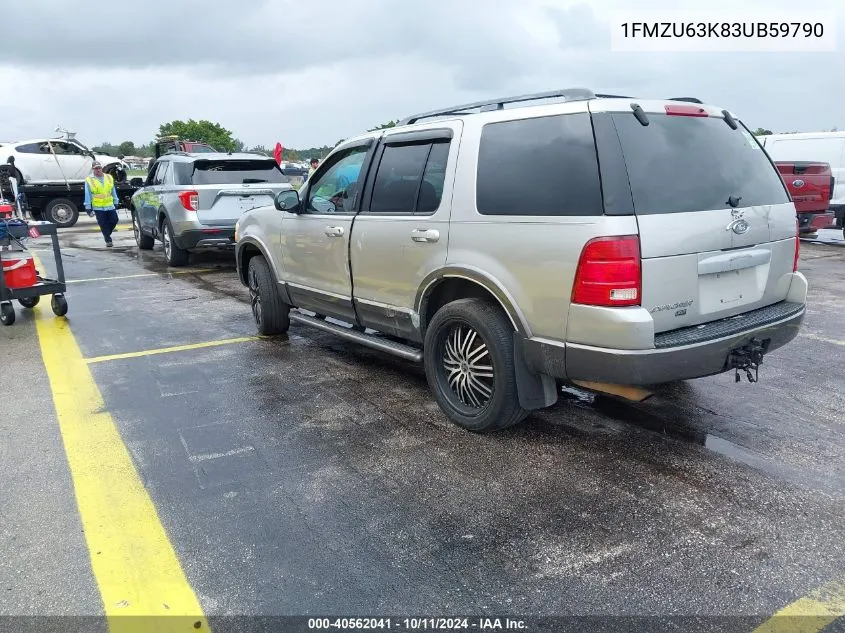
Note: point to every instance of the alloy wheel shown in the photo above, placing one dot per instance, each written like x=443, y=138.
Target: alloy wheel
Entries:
x=255, y=296
x=468, y=366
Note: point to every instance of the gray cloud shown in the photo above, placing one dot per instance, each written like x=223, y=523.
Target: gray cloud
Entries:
x=311, y=72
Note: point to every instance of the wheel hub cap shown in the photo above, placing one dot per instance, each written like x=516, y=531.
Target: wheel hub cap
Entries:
x=468, y=366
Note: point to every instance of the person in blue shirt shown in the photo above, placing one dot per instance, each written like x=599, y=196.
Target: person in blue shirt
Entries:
x=101, y=200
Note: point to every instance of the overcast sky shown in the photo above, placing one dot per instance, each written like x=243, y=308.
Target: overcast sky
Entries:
x=308, y=73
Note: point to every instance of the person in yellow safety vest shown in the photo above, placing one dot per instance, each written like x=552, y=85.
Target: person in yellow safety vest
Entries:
x=101, y=200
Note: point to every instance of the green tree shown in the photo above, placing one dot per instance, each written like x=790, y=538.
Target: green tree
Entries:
x=203, y=131
x=384, y=126
x=126, y=148
x=762, y=132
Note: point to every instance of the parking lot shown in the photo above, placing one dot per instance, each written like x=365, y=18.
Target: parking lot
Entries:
x=304, y=475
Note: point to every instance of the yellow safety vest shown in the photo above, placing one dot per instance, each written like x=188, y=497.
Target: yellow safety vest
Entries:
x=101, y=192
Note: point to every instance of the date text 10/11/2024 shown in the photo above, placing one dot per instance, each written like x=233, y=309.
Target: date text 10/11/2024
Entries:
x=417, y=624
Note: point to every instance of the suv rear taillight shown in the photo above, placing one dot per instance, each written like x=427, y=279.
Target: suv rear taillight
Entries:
x=609, y=272
x=797, y=247
x=190, y=200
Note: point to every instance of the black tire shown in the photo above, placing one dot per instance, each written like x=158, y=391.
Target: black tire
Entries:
x=59, y=305
x=62, y=212
x=29, y=302
x=175, y=256
x=144, y=242
x=271, y=314
x=475, y=410
x=7, y=313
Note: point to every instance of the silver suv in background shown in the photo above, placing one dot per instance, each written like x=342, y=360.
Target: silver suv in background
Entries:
x=511, y=244
x=191, y=201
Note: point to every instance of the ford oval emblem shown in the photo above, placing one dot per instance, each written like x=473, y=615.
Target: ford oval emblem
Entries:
x=739, y=227
x=798, y=183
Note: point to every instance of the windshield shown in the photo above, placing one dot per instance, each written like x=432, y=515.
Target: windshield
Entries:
x=198, y=148
x=221, y=172
x=679, y=164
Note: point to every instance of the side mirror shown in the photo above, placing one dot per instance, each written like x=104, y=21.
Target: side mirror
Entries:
x=287, y=200
x=137, y=182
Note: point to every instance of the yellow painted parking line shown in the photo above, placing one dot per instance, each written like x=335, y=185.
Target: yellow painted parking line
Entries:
x=168, y=350
x=810, y=614
x=135, y=565
x=175, y=272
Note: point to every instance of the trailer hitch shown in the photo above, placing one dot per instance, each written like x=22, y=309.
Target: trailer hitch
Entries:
x=748, y=358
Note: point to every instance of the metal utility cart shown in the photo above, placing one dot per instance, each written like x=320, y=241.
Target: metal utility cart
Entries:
x=13, y=231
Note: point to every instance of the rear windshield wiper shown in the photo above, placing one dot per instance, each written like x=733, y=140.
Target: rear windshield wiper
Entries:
x=249, y=181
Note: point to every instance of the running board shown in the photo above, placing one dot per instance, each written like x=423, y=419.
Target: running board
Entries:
x=370, y=340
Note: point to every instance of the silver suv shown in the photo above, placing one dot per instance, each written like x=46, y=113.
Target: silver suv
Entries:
x=511, y=244
x=192, y=201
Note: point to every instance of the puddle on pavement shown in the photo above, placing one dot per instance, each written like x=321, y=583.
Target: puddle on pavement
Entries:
x=667, y=420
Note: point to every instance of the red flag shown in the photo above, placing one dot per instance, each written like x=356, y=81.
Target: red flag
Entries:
x=277, y=153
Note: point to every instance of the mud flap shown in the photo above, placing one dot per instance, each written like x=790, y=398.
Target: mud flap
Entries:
x=536, y=391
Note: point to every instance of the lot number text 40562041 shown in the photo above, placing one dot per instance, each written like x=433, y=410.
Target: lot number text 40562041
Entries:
x=417, y=624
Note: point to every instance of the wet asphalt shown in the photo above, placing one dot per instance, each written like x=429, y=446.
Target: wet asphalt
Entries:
x=305, y=475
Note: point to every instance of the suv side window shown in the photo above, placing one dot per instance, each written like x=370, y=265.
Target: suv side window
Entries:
x=336, y=189
x=161, y=172
x=410, y=178
x=540, y=166
x=151, y=174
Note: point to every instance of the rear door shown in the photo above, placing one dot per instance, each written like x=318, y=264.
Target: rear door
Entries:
x=404, y=220
x=717, y=227
x=229, y=187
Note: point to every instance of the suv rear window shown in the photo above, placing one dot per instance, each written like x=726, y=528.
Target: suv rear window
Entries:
x=539, y=166
x=680, y=164
x=230, y=172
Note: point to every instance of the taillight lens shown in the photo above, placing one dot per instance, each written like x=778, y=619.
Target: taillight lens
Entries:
x=797, y=247
x=190, y=200
x=609, y=272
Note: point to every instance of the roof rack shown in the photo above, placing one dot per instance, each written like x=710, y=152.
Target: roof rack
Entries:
x=569, y=94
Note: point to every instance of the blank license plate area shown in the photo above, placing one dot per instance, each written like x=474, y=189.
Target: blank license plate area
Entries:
x=725, y=290
x=248, y=202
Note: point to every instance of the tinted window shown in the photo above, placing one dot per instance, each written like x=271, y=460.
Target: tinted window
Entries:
x=434, y=177
x=33, y=148
x=678, y=163
x=398, y=179
x=410, y=178
x=223, y=172
x=542, y=166
x=161, y=173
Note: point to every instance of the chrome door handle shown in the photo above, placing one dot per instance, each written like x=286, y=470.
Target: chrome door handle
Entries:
x=334, y=231
x=425, y=235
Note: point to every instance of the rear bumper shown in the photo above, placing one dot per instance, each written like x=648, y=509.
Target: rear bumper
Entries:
x=812, y=222
x=211, y=238
x=679, y=355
